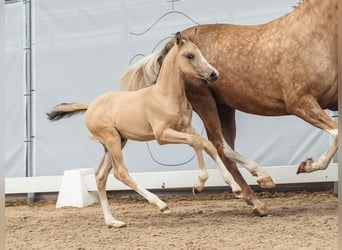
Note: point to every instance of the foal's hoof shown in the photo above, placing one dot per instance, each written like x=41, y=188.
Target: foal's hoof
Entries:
x=304, y=166
x=165, y=210
x=260, y=211
x=117, y=224
x=238, y=194
x=266, y=182
x=196, y=190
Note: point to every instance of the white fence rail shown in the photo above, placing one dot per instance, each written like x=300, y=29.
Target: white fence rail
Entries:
x=169, y=180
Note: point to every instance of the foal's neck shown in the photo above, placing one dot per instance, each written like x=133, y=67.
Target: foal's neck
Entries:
x=170, y=81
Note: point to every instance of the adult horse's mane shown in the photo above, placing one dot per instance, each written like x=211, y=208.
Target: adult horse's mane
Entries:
x=299, y=3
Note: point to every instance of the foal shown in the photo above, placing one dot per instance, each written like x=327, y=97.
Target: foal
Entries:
x=159, y=112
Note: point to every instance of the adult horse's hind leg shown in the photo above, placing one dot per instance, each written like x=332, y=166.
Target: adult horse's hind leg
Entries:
x=228, y=124
x=311, y=112
x=204, y=105
x=228, y=129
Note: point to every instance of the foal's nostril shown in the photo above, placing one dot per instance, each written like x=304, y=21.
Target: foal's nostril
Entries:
x=213, y=76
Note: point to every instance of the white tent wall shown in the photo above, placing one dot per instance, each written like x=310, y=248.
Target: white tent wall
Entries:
x=15, y=90
x=80, y=50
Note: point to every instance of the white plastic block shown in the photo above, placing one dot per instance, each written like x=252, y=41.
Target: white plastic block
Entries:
x=74, y=191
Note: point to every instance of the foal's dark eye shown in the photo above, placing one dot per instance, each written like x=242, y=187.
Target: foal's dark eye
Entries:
x=190, y=56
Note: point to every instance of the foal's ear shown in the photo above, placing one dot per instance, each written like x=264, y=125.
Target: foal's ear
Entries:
x=179, y=38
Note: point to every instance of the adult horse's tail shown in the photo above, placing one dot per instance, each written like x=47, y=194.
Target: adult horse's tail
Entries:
x=65, y=110
x=141, y=74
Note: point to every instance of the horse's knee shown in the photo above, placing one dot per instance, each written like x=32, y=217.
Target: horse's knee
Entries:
x=210, y=148
x=100, y=180
x=217, y=144
x=200, y=143
x=121, y=174
x=196, y=142
x=159, y=138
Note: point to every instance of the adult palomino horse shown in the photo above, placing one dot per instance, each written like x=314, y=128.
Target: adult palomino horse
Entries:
x=285, y=67
x=159, y=112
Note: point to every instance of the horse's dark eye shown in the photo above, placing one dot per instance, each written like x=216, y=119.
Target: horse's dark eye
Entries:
x=190, y=56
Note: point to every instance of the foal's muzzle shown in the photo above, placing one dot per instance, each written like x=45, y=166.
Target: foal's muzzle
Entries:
x=213, y=76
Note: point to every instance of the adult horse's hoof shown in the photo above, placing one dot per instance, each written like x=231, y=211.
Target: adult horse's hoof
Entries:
x=260, y=211
x=304, y=165
x=266, y=182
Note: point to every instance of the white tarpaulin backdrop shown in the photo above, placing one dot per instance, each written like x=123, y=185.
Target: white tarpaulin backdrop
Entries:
x=80, y=49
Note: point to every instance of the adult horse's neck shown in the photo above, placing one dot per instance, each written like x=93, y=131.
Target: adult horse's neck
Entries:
x=170, y=80
x=314, y=16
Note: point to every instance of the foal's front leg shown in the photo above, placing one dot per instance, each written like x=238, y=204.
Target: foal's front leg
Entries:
x=202, y=171
x=171, y=136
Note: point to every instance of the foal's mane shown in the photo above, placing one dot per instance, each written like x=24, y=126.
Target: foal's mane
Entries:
x=146, y=71
x=169, y=46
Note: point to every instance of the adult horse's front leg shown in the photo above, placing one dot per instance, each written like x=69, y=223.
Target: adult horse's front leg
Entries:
x=204, y=105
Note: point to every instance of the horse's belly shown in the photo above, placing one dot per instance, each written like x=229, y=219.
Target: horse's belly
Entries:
x=134, y=128
x=250, y=100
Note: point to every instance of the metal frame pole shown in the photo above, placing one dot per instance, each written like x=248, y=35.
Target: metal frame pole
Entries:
x=29, y=95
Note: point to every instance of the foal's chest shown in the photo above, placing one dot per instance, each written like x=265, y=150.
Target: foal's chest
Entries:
x=182, y=118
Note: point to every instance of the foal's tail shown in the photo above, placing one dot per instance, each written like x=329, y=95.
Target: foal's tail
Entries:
x=65, y=110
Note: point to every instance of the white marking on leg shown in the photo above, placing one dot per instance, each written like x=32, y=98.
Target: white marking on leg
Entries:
x=333, y=132
x=250, y=165
x=323, y=161
x=152, y=198
x=202, y=171
x=228, y=178
x=201, y=180
x=109, y=219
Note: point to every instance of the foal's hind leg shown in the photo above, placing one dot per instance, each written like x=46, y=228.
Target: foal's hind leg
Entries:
x=113, y=145
x=310, y=111
x=101, y=176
